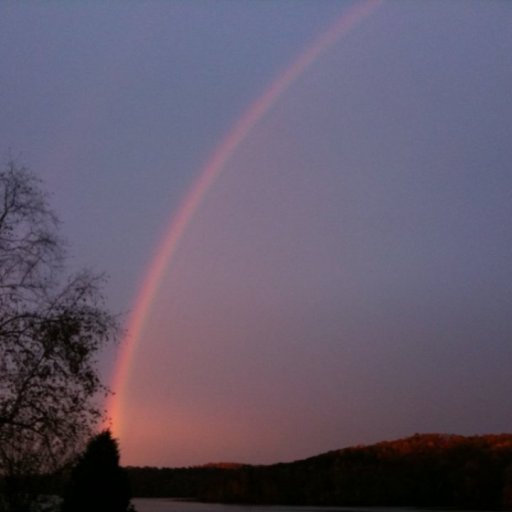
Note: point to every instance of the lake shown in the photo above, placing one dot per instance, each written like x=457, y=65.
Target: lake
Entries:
x=171, y=505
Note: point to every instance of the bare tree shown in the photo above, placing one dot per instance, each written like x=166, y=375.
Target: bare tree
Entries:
x=51, y=329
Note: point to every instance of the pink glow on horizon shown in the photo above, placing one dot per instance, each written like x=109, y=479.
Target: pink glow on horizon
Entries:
x=207, y=177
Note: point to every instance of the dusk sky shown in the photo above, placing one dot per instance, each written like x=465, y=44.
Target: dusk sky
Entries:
x=347, y=278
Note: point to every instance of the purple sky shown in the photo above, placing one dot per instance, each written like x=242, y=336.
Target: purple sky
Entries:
x=348, y=278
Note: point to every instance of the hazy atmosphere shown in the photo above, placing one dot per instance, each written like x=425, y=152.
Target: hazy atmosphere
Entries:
x=347, y=276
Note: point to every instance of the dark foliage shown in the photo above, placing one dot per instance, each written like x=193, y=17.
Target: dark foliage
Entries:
x=424, y=471
x=97, y=482
x=51, y=328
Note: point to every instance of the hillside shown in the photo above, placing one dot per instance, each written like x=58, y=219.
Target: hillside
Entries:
x=429, y=470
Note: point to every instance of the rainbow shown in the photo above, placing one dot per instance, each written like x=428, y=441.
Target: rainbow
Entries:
x=211, y=171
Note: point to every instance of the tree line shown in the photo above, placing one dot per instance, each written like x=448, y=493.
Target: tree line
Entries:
x=429, y=470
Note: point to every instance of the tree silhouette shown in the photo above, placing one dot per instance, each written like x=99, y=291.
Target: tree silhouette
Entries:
x=51, y=328
x=97, y=482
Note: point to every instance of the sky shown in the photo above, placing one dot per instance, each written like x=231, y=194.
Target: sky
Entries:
x=346, y=278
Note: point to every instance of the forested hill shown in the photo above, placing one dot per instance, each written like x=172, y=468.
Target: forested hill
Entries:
x=429, y=470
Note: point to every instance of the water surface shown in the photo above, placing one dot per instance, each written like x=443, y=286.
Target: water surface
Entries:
x=172, y=505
